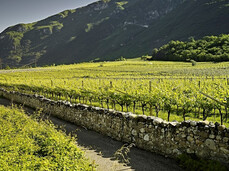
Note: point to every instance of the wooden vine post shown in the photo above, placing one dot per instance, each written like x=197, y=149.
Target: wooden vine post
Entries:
x=221, y=103
x=150, y=90
x=111, y=84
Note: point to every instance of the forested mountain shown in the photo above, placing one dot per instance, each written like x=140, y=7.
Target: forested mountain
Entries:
x=109, y=29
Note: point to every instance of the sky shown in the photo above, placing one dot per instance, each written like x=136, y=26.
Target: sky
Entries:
x=13, y=12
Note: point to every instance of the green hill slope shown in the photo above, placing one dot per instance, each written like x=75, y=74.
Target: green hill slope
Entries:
x=110, y=29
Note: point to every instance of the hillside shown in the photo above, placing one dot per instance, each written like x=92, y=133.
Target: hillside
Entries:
x=109, y=29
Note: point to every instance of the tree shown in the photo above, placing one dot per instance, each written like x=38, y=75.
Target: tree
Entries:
x=7, y=67
x=121, y=59
x=0, y=63
x=209, y=48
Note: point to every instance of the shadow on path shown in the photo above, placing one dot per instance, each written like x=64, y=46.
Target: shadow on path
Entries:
x=101, y=149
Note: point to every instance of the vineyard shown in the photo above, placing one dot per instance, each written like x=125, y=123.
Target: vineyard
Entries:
x=170, y=90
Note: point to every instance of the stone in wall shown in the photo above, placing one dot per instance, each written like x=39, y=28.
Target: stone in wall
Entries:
x=206, y=140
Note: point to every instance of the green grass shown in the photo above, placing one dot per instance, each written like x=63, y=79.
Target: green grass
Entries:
x=26, y=144
x=50, y=27
x=134, y=59
x=121, y=4
x=90, y=26
x=191, y=163
x=15, y=37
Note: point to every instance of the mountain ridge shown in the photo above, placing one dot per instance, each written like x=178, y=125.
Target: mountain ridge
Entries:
x=110, y=29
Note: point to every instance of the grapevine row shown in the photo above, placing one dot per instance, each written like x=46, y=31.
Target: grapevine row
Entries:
x=151, y=99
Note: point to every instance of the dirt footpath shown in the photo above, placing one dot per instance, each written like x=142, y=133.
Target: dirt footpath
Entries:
x=101, y=150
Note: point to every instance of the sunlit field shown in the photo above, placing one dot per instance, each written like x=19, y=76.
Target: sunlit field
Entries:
x=170, y=90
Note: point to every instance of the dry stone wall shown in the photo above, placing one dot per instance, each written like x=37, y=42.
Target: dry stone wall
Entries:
x=206, y=140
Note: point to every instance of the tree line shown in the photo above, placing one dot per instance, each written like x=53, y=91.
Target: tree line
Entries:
x=209, y=48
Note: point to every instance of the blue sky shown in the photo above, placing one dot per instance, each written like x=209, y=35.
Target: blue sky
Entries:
x=13, y=12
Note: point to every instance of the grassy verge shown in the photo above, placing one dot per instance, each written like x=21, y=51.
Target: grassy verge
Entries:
x=26, y=144
x=192, y=162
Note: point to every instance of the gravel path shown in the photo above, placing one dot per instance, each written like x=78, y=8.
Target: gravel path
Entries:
x=101, y=149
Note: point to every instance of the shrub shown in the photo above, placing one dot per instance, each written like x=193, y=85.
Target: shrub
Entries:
x=28, y=145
